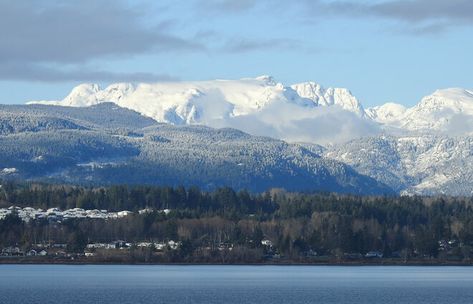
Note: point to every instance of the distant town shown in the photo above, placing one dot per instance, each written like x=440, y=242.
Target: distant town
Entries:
x=27, y=214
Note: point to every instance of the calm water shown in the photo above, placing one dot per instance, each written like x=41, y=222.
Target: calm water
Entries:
x=234, y=284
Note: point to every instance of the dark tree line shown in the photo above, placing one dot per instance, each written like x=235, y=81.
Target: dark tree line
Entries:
x=209, y=223
x=133, y=198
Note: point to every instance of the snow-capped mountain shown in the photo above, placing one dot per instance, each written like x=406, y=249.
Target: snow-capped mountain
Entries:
x=203, y=101
x=264, y=106
x=448, y=111
x=389, y=113
x=329, y=97
x=250, y=103
x=260, y=106
x=425, y=149
x=425, y=165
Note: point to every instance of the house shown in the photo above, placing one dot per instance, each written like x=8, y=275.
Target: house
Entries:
x=95, y=245
x=267, y=243
x=59, y=246
x=12, y=251
x=145, y=245
x=124, y=213
x=374, y=254
x=121, y=244
x=112, y=245
x=225, y=246
x=145, y=211
x=173, y=245
x=61, y=253
x=160, y=246
x=444, y=245
x=32, y=252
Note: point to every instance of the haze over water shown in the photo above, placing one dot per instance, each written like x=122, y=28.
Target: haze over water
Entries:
x=234, y=284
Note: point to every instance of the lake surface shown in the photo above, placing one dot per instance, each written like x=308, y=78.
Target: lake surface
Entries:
x=234, y=284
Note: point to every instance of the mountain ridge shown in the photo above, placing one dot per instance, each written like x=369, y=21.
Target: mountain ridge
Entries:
x=235, y=103
x=425, y=149
x=107, y=144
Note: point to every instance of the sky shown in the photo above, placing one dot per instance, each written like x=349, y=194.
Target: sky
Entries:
x=383, y=51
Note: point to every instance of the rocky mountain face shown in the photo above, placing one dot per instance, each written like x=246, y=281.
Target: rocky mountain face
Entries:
x=107, y=144
x=342, y=98
x=202, y=101
x=259, y=106
x=208, y=102
x=448, y=111
x=423, y=165
x=426, y=149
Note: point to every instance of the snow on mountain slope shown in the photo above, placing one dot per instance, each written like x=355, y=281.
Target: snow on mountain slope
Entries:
x=444, y=110
x=83, y=95
x=425, y=149
x=107, y=144
x=425, y=165
x=259, y=106
x=448, y=111
x=263, y=106
x=332, y=96
x=181, y=103
x=192, y=101
x=389, y=113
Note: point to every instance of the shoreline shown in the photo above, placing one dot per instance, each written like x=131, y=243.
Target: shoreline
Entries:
x=330, y=264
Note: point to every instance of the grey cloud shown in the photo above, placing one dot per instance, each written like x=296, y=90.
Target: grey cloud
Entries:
x=248, y=45
x=428, y=29
x=227, y=5
x=77, y=31
x=41, y=73
x=52, y=40
x=421, y=16
x=426, y=10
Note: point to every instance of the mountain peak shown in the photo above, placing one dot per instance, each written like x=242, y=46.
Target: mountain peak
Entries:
x=267, y=79
x=440, y=111
x=453, y=99
x=209, y=100
x=262, y=102
x=328, y=97
x=448, y=98
x=388, y=113
x=83, y=95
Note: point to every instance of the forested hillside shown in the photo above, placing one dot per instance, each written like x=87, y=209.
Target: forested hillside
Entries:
x=228, y=226
x=106, y=144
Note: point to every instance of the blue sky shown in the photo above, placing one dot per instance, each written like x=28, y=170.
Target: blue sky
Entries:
x=391, y=50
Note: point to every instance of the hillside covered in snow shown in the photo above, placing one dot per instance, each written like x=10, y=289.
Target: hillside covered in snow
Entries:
x=106, y=144
x=425, y=149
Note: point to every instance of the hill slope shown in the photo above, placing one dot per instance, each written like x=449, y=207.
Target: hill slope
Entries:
x=106, y=144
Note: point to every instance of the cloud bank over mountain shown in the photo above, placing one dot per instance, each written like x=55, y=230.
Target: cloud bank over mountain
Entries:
x=425, y=149
x=304, y=112
x=261, y=106
x=293, y=123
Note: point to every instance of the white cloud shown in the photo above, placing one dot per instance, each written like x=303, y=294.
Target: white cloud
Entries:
x=293, y=123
